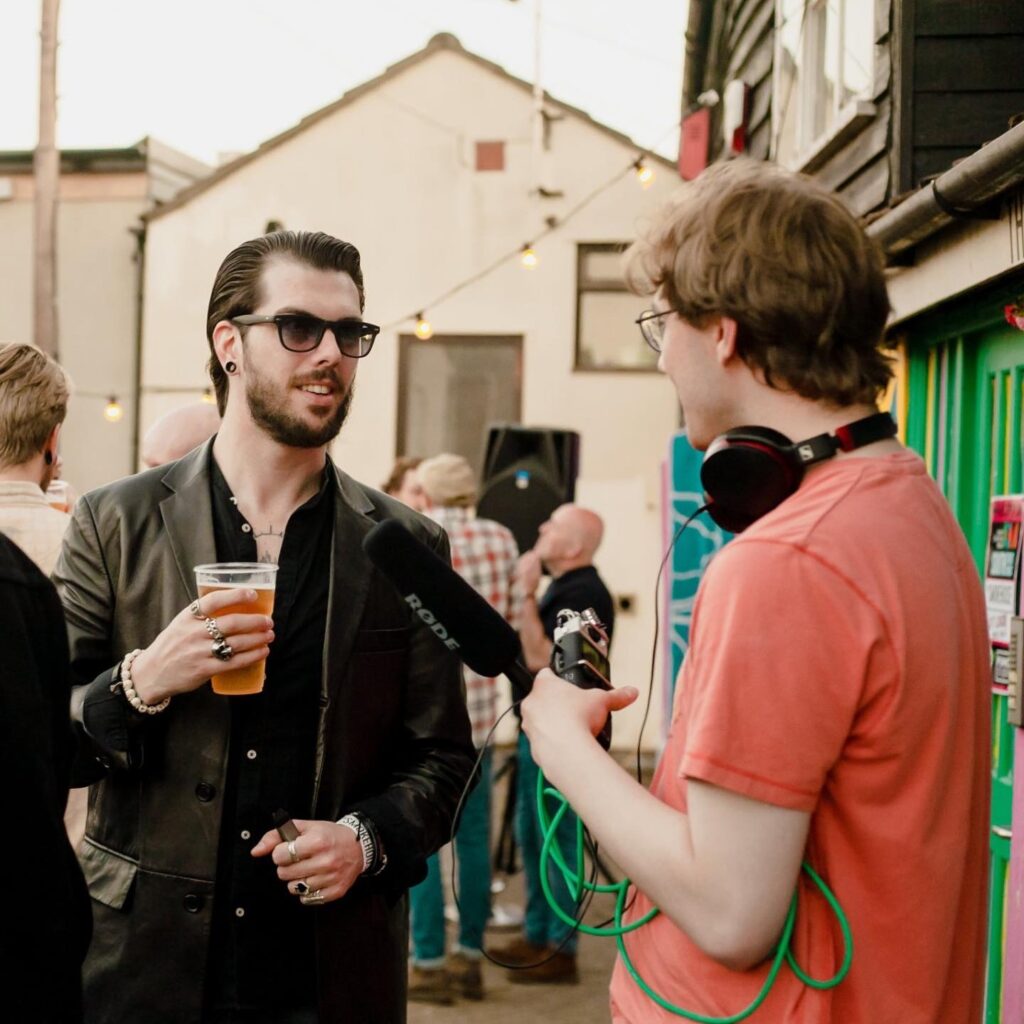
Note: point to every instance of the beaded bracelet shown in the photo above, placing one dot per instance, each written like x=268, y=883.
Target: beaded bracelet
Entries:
x=129, y=688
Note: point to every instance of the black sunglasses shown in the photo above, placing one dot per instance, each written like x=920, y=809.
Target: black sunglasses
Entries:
x=299, y=332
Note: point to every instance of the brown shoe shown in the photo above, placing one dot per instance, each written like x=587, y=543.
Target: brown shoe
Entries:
x=559, y=970
x=466, y=976
x=430, y=986
x=519, y=953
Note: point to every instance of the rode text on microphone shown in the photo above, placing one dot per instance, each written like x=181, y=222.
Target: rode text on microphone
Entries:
x=430, y=619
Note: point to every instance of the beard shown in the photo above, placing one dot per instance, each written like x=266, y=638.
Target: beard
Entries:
x=268, y=408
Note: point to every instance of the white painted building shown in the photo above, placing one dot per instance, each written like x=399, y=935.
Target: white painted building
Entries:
x=103, y=194
x=428, y=170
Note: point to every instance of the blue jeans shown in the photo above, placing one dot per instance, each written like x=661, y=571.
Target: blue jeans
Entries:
x=473, y=860
x=542, y=926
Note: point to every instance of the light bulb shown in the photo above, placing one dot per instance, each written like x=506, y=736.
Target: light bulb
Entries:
x=114, y=411
x=424, y=329
x=528, y=257
x=644, y=174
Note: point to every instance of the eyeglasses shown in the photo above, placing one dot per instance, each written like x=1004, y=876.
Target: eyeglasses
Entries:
x=652, y=327
x=301, y=333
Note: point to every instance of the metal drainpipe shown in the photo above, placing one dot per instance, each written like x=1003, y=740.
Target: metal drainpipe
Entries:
x=698, y=24
x=996, y=167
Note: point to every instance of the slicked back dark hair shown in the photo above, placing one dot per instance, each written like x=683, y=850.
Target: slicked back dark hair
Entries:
x=236, y=288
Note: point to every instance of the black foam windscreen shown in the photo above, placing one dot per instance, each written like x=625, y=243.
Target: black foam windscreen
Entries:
x=445, y=602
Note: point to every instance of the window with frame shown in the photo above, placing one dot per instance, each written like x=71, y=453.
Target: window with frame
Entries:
x=824, y=75
x=606, y=334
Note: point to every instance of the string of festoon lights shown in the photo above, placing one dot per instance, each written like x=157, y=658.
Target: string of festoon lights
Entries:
x=113, y=407
x=526, y=253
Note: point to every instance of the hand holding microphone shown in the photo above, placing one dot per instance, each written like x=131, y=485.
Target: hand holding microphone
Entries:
x=554, y=711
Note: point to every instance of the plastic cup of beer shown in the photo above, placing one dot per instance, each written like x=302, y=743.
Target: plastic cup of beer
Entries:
x=57, y=496
x=258, y=576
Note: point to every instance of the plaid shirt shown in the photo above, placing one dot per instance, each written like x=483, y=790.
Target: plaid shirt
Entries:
x=484, y=554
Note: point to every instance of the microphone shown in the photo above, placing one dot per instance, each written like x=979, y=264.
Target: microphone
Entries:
x=455, y=613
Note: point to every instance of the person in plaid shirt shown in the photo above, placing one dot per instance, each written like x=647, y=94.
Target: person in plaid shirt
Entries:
x=484, y=553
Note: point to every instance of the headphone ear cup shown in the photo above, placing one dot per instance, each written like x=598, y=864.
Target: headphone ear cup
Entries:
x=746, y=473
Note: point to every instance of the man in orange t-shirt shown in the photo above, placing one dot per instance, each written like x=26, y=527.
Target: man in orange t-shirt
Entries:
x=833, y=706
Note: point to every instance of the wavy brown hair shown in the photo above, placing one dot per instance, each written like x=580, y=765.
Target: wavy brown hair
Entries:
x=789, y=263
x=236, y=288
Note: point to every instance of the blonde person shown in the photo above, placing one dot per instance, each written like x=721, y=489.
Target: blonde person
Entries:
x=45, y=931
x=33, y=403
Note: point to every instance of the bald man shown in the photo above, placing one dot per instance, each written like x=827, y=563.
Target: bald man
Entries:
x=565, y=549
x=177, y=432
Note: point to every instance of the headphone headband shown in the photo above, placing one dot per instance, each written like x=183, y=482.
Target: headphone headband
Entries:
x=748, y=471
x=876, y=427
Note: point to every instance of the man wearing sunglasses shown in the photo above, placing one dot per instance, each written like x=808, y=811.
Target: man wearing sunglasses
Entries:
x=205, y=913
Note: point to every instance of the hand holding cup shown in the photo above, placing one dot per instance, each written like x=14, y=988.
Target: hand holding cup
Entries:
x=181, y=658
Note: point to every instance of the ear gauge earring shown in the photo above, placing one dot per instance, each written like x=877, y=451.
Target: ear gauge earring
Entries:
x=48, y=457
x=230, y=366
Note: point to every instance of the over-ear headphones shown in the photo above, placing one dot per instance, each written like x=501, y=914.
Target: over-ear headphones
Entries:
x=748, y=471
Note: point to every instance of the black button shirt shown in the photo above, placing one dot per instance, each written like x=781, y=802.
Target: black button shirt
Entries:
x=262, y=946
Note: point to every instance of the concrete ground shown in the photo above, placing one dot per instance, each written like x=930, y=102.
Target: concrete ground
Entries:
x=505, y=1003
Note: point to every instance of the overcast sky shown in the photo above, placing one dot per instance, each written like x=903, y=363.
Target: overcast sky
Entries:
x=221, y=76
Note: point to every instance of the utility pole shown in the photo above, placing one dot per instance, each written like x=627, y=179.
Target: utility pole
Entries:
x=47, y=182
x=539, y=126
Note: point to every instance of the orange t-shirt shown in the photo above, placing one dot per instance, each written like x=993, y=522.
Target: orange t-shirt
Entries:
x=840, y=665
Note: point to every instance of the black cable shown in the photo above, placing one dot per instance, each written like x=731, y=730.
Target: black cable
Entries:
x=583, y=901
x=654, y=644
x=654, y=658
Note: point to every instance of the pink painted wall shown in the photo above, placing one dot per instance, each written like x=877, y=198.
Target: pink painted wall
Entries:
x=1013, y=964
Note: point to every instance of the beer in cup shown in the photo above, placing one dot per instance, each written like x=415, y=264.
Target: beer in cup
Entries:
x=258, y=576
x=57, y=495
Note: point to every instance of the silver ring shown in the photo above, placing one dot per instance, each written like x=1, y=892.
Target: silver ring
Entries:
x=222, y=649
x=213, y=629
x=196, y=610
x=292, y=852
x=311, y=898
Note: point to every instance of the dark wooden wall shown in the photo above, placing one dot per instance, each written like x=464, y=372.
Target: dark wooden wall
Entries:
x=861, y=171
x=949, y=76
x=741, y=45
x=967, y=58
